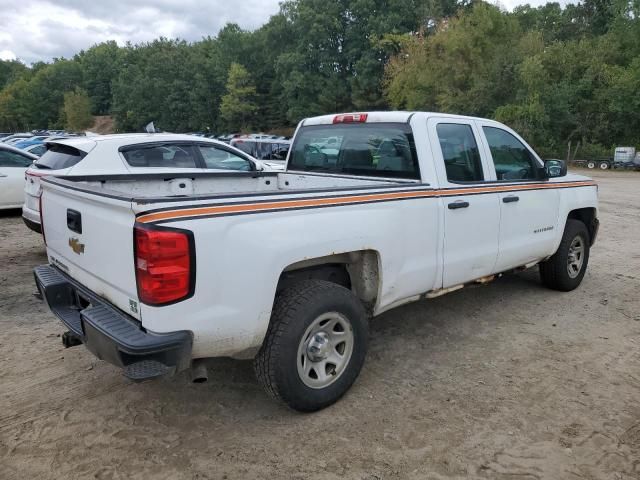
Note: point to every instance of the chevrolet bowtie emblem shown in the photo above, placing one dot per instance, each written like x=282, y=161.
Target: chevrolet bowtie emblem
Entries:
x=76, y=246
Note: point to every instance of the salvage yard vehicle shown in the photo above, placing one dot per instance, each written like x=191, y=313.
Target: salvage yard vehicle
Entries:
x=623, y=158
x=123, y=154
x=13, y=164
x=155, y=274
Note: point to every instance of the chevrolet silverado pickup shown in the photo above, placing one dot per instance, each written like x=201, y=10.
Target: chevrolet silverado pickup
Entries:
x=156, y=272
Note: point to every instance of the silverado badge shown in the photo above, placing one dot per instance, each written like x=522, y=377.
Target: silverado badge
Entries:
x=76, y=246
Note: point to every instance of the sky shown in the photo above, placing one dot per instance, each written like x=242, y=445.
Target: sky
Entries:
x=35, y=30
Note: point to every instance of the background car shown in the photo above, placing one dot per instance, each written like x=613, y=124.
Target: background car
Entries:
x=36, y=149
x=13, y=164
x=35, y=140
x=25, y=142
x=16, y=137
x=124, y=154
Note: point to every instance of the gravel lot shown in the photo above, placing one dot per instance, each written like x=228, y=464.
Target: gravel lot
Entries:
x=504, y=381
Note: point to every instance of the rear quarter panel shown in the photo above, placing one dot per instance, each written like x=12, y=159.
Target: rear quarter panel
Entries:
x=240, y=259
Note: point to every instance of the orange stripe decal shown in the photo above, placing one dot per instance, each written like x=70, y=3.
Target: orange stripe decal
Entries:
x=256, y=207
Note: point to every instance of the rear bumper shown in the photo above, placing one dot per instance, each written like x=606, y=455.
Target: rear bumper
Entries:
x=31, y=219
x=110, y=334
x=35, y=226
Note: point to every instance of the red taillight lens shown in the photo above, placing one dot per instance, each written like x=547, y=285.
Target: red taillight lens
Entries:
x=351, y=118
x=165, y=265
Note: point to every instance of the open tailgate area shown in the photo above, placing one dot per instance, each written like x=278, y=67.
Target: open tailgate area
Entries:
x=89, y=237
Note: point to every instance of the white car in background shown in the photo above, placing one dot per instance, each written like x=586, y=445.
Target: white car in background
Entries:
x=13, y=164
x=125, y=154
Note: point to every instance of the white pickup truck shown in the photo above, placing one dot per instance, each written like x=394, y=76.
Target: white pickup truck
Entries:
x=155, y=272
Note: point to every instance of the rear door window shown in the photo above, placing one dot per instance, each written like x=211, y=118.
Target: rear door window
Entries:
x=368, y=149
x=460, y=152
x=59, y=156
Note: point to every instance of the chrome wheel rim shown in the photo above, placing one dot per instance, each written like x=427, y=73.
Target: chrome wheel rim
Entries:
x=325, y=350
x=575, y=258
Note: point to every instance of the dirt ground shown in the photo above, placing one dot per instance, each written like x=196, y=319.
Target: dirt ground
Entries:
x=504, y=381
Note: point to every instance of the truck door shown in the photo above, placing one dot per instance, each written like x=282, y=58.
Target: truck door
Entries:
x=529, y=212
x=471, y=214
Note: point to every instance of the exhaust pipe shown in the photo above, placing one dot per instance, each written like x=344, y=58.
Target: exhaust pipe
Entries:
x=199, y=371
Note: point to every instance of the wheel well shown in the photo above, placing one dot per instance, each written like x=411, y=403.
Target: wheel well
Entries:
x=586, y=216
x=357, y=271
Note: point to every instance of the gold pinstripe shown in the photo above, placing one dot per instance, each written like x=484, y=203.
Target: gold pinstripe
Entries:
x=256, y=207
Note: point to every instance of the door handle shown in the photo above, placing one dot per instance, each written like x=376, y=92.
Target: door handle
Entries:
x=510, y=199
x=3, y=175
x=458, y=204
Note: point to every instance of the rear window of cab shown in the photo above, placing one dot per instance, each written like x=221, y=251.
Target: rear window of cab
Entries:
x=368, y=149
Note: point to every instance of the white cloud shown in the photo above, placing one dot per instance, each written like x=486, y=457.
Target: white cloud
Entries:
x=34, y=30
x=7, y=55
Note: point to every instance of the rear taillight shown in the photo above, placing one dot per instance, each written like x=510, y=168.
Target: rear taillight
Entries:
x=351, y=118
x=44, y=237
x=165, y=264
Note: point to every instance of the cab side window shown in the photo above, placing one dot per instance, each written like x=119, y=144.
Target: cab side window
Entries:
x=511, y=159
x=460, y=152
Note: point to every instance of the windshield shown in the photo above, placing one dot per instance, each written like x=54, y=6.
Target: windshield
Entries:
x=371, y=149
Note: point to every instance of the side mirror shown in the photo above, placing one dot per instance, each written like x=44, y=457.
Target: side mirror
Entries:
x=555, y=168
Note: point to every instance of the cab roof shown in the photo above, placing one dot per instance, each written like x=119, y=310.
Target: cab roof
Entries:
x=379, y=117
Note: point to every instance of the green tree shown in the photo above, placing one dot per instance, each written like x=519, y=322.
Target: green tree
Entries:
x=466, y=66
x=45, y=92
x=15, y=107
x=77, y=110
x=10, y=71
x=164, y=81
x=238, y=107
x=100, y=65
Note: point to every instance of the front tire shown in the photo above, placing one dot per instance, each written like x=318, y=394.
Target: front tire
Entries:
x=315, y=345
x=565, y=269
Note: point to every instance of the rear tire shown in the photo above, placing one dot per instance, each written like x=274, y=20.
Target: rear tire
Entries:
x=315, y=345
x=604, y=166
x=565, y=269
x=591, y=165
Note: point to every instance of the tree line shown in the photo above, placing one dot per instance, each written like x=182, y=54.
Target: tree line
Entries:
x=555, y=74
